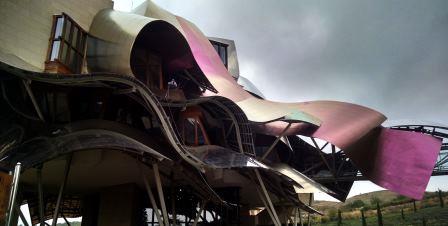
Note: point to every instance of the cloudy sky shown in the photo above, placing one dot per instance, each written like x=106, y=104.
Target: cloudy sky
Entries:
x=386, y=54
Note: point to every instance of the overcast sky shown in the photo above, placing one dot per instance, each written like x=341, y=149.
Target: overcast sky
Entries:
x=388, y=55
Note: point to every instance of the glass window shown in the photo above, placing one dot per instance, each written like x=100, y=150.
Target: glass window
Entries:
x=223, y=54
x=73, y=59
x=216, y=47
x=63, y=57
x=193, y=133
x=69, y=40
x=201, y=138
x=79, y=63
x=190, y=129
x=80, y=44
x=75, y=36
x=59, y=26
x=221, y=49
x=68, y=28
x=55, y=50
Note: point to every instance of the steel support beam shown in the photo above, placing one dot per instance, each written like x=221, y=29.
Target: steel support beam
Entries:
x=266, y=206
x=309, y=214
x=160, y=192
x=155, y=209
x=295, y=216
x=13, y=195
x=266, y=195
x=230, y=129
x=22, y=217
x=33, y=99
x=40, y=196
x=194, y=80
x=65, y=219
x=320, y=150
x=173, y=200
x=275, y=142
x=61, y=190
x=196, y=220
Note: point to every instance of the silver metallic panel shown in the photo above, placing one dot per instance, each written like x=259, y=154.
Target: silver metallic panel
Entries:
x=114, y=34
x=249, y=86
x=232, y=58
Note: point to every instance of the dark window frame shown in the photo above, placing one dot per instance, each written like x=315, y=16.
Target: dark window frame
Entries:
x=76, y=50
x=197, y=133
x=221, y=47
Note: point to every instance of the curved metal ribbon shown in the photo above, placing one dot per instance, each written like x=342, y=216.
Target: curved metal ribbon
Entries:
x=342, y=124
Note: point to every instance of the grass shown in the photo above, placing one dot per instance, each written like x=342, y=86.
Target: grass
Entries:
x=434, y=216
x=428, y=211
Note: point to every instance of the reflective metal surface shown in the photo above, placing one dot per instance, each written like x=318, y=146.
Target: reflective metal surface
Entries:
x=232, y=58
x=249, y=86
x=219, y=157
x=114, y=33
x=400, y=161
x=307, y=185
x=44, y=148
x=342, y=124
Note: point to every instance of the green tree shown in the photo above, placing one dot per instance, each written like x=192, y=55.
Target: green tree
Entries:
x=379, y=214
x=363, y=218
x=374, y=200
x=357, y=204
x=333, y=213
x=400, y=198
x=441, y=198
x=339, y=218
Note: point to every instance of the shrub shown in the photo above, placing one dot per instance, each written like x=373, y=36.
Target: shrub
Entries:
x=324, y=219
x=333, y=214
x=356, y=204
x=374, y=200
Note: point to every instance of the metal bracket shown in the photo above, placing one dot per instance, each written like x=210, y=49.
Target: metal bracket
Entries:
x=275, y=142
x=26, y=83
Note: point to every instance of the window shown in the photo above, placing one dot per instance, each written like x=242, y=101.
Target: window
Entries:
x=221, y=49
x=67, y=44
x=193, y=132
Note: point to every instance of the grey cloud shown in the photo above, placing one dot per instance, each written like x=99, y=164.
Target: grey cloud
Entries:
x=388, y=55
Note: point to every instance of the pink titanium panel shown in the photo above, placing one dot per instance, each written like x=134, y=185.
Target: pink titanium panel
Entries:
x=397, y=160
x=210, y=63
x=341, y=123
x=400, y=161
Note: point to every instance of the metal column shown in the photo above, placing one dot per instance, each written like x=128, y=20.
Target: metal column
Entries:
x=295, y=216
x=22, y=217
x=155, y=209
x=266, y=206
x=33, y=99
x=61, y=190
x=40, y=196
x=196, y=220
x=309, y=214
x=268, y=199
x=173, y=200
x=160, y=191
x=13, y=194
x=275, y=142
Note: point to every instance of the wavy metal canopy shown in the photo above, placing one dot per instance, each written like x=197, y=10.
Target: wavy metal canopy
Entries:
x=401, y=161
x=346, y=125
